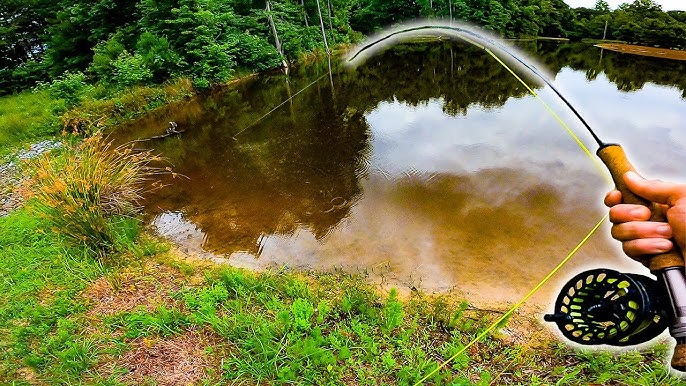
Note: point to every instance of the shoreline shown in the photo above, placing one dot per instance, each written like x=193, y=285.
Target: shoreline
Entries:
x=653, y=52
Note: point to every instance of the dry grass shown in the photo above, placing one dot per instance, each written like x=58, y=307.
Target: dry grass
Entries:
x=133, y=288
x=90, y=192
x=179, y=360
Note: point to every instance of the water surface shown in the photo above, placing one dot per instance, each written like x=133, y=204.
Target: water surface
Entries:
x=429, y=166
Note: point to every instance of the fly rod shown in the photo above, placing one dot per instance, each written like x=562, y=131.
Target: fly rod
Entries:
x=600, y=306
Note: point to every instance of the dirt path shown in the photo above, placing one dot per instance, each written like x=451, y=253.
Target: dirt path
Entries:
x=644, y=51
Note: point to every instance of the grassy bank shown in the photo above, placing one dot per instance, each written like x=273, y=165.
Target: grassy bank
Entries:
x=32, y=115
x=153, y=316
x=69, y=105
x=25, y=117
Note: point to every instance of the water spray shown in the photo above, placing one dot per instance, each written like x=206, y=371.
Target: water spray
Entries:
x=599, y=306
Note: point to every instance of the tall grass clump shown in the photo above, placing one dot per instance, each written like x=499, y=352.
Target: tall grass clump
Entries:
x=91, y=194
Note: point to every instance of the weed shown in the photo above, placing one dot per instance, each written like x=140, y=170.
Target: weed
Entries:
x=164, y=322
x=38, y=298
x=393, y=311
x=89, y=195
x=100, y=112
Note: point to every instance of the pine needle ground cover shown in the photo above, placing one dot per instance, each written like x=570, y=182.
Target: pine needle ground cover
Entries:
x=156, y=317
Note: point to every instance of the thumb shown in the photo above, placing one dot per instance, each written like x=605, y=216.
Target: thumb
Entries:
x=655, y=190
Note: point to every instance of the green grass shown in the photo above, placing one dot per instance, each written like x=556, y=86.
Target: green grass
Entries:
x=25, y=117
x=33, y=115
x=39, y=305
x=267, y=328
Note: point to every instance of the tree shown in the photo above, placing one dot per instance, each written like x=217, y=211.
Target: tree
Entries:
x=602, y=6
x=80, y=25
x=321, y=24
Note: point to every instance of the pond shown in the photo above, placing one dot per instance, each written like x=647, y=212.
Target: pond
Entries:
x=429, y=166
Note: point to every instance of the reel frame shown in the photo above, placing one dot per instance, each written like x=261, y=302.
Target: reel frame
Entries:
x=604, y=306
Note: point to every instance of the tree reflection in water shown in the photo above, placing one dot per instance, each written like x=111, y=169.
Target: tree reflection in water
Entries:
x=318, y=165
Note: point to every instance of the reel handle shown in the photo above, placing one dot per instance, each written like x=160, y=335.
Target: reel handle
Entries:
x=615, y=159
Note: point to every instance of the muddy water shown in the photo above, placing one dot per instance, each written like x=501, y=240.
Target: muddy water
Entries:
x=429, y=166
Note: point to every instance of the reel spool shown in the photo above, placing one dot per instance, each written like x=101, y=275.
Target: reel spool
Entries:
x=603, y=306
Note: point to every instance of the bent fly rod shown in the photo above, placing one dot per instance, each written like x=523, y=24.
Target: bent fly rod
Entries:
x=599, y=306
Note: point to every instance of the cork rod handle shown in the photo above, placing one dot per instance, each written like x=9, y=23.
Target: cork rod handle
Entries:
x=614, y=158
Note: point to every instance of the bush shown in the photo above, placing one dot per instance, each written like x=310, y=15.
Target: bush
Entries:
x=254, y=53
x=104, y=55
x=70, y=87
x=130, y=70
x=159, y=56
x=91, y=194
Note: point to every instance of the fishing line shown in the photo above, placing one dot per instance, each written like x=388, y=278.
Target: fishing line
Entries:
x=479, y=37
x=516, y=306
x=280, y=104
x=460, y=33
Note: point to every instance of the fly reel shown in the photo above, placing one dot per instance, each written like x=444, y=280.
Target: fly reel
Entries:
x=603, y=306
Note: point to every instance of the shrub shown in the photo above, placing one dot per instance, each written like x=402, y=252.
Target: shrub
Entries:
x=130, y=70
x=253, y=52
x=70, y=87
x=159, y=56
x=104, y=55
x=91, y=193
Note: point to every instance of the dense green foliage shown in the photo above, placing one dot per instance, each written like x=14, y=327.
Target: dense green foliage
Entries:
x=124, y=43
x=642, y=22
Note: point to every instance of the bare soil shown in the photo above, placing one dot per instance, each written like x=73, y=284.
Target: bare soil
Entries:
x=644, y=51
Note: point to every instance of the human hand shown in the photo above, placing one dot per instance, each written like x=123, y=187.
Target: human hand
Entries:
x=631, y=226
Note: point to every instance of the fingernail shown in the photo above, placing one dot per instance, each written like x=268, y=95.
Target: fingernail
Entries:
x=664, y=230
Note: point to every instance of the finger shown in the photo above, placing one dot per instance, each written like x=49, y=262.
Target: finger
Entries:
x=613, y=198
x=655, y=190
x=637, y=248
x=641, y=230
x=628, y=212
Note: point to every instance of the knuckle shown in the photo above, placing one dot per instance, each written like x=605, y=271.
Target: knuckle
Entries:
x=630, y=250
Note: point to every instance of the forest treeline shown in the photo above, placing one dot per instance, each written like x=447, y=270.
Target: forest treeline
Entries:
x=120, y=43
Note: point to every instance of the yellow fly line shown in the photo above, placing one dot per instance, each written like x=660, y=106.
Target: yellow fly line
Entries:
x=540, y=284
x=555, y=115
x=543, y=281
x=517, y=305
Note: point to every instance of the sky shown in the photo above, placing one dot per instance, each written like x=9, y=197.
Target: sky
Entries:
x=667, y=5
